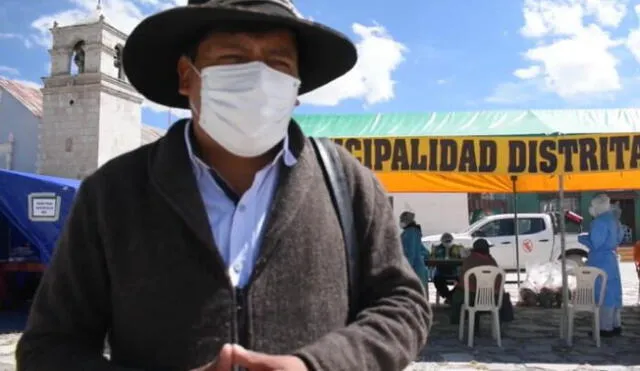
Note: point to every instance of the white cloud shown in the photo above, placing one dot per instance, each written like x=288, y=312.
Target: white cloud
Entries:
x=370, y=80
x=544, y=17
x=9, y=70
x=5, y=36
x=582, y=64
x=514, y=93
x=573, y=56
x=25, y=40
x=44, y=23
x=633, y=41
x=609, y=13
x=565, y=17
x=122, y=14
x=527, y=73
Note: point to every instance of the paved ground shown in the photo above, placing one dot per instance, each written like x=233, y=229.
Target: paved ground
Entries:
x=531, y=342
x=7, y=348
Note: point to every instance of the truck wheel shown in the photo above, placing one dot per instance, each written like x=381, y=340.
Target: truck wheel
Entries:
x=578, y=256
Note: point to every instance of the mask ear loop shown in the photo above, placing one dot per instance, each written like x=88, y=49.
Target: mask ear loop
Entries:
x=191, y=105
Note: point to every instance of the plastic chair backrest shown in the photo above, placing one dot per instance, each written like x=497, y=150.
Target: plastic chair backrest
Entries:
x=486, y=277
x=585, y=292
x=636, y=253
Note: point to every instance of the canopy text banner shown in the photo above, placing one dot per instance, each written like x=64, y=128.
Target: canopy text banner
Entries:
x=498, y=155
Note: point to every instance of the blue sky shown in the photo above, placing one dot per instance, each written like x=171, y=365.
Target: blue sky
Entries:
x=415, y=55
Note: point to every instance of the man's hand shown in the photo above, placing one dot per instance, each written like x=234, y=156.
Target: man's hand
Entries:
x=224, y=361
x=254, y=361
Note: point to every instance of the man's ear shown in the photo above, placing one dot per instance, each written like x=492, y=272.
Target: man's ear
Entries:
x=184, y=69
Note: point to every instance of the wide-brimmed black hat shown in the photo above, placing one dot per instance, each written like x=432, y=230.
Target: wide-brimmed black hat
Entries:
x=154, y=47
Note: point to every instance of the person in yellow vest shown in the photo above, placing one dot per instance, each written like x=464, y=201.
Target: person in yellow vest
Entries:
x=445, y=250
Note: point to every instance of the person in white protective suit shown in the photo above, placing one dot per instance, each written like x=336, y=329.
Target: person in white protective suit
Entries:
x=605, y=234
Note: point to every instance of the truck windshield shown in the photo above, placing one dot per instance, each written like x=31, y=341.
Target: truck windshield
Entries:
x=473, y=226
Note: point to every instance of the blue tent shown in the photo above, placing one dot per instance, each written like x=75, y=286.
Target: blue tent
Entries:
x=15, y=188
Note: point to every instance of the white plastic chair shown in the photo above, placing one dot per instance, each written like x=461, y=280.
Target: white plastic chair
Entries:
x=485, y=300
x=583, y=299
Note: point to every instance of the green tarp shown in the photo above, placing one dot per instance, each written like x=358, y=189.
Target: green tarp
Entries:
x=526, y=122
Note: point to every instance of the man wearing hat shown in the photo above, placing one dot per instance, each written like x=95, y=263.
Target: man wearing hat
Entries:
x=480, y=256
x=218, y=246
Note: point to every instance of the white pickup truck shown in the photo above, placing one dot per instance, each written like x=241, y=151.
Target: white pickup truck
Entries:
x=538, y=239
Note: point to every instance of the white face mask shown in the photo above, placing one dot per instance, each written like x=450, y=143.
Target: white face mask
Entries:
x=246, y=108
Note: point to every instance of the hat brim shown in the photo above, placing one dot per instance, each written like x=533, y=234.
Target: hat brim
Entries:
x=152, y=51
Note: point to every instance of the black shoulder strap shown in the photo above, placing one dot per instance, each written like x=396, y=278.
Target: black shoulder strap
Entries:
x=333, y=169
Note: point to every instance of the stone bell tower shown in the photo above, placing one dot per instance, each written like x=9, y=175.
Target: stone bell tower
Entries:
x=90, y=112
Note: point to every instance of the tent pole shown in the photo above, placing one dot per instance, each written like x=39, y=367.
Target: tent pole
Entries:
x=516, y=225
x=563, y=260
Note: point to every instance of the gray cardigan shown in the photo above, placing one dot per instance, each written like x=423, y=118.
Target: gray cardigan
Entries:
x=137, y=262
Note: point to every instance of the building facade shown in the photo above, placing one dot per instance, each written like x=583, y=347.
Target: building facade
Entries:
x=90, y=112
x=85, y=114
x=435, y=212
x=20, y=115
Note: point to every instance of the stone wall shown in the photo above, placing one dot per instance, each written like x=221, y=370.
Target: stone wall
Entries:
x=69, y=133
x=120, y=128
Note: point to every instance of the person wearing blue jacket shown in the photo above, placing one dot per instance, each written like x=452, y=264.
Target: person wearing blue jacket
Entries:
x=604, y=236
x=412, y=245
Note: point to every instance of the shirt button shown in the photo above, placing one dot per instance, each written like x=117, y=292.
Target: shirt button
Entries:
x=237, y=268
x=241, y=208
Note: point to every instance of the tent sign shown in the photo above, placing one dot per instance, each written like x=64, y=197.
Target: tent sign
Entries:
x=44, y=207
x=544, y=155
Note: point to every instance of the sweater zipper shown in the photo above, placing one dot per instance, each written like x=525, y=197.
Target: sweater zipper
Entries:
x=239, y=333
x=241, y=314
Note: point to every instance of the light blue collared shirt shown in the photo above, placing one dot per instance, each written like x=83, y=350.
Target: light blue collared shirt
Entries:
x=238, y=228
